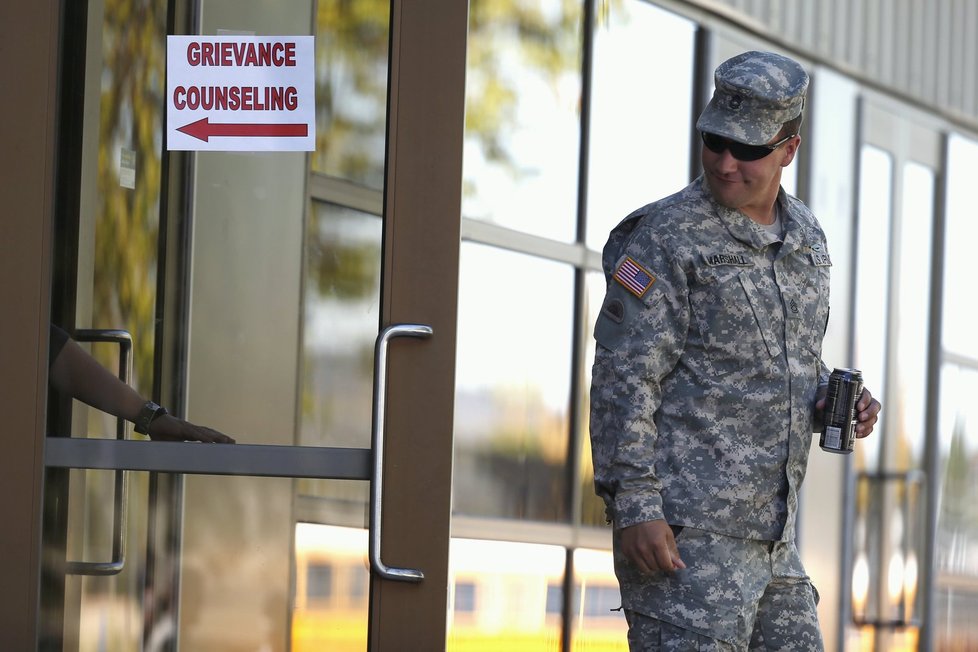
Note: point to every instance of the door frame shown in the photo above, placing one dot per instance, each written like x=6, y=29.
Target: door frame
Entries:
x=422, y=203
x=28, y=134
x=422, y=226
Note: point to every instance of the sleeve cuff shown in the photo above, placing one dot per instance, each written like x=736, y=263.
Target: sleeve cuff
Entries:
x=634, y=507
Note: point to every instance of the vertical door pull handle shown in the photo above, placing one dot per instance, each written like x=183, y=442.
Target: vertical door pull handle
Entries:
x=121, y=491
x=377, y=443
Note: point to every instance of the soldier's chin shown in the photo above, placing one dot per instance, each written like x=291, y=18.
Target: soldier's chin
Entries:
x=719, y=196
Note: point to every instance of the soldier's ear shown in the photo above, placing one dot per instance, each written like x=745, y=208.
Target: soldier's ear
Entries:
x=790, y=148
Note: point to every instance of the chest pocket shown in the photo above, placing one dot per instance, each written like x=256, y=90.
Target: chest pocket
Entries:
x=734, y=322
x=807, y=302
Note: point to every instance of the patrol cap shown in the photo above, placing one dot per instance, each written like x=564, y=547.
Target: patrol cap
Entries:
x=756, y=93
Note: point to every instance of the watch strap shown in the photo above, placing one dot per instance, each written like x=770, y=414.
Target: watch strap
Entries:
x=149, y=412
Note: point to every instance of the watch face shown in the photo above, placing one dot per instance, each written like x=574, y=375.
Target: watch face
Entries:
x=146, y=416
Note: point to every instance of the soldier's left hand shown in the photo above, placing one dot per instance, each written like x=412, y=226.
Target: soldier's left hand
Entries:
x=867, y=413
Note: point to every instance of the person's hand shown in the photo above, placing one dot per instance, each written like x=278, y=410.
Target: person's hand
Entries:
x=651, y=546
x=867, y=409
x=169, y=428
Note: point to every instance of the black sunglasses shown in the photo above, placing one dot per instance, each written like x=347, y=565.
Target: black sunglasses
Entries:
x=740, y=151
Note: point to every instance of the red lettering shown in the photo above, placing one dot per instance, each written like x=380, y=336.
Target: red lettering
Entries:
x=236, y=98
x=226, y=54
x=241, y=54
x=193, y=98
x=207, y=54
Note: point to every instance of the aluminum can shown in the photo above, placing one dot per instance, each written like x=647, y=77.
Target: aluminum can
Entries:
x=839, y=416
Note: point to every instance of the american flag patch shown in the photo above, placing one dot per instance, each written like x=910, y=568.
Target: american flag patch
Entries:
x=634, y=277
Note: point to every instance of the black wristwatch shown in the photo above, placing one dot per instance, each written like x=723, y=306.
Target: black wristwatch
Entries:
x=147, y=415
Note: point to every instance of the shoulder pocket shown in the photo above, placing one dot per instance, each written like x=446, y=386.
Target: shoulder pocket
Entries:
x=617, y=316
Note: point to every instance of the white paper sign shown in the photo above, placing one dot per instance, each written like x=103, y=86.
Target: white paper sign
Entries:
x=240, y=93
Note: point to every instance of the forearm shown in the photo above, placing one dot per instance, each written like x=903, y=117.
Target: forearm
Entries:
x=77, y=374
x=623, y=435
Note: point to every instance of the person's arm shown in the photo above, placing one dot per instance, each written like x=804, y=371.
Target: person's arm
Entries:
x=77, y=374
x=639, y=341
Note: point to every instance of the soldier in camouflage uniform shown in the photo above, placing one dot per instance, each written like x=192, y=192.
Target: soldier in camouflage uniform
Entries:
x=704, y=385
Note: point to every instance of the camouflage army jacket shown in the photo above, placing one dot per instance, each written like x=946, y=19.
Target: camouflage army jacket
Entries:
x=707, y=360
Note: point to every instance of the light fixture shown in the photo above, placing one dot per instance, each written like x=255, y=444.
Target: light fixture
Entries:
x=889, y=538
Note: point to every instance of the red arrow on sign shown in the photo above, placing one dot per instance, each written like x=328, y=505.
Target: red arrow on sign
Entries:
x=203, y=129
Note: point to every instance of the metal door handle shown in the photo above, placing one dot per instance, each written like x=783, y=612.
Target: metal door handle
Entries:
x=121, y=491
x=377, y=443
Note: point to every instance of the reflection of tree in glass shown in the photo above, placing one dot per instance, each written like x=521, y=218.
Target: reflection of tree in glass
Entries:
x=127, y=219
x=517, y=467
x=351, y=89
x=547, y=38
x=957, y=502
x=345, y=271
x=341, y=295
x=351, y=76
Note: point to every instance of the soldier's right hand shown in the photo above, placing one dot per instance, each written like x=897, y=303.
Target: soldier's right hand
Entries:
x=651, y=546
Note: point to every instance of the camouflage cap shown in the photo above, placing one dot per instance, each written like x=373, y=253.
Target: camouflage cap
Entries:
x=756, y=93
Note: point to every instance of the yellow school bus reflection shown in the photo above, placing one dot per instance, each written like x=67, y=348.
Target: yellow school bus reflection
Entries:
x=502, y=595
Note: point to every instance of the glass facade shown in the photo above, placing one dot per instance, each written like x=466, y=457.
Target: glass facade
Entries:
x=912, y=251
x=640, y=127
x=341, y=300
x=512, y=401
x=502, y=594
x=118, y=265
x=351, y=90
x=872, y=291
x=530, y=281
x=880, y=215
x=523, y=89
x=638, y=150
x=956, y=538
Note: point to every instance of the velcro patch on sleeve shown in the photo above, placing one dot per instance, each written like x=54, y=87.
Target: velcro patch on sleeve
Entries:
x=634, y=277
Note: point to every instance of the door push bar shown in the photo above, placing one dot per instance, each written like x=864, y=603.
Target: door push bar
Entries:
x=377, y=443
x=121, y=490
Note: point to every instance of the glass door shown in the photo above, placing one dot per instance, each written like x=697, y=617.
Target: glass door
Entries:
x=303, y=304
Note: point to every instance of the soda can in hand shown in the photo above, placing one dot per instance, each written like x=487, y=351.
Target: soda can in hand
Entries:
x=839, y=415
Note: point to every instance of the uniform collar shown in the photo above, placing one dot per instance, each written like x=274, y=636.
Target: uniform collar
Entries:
x=740, y=226
x=796, y=234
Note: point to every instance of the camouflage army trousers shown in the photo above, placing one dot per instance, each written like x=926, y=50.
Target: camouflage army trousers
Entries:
x=733, y=595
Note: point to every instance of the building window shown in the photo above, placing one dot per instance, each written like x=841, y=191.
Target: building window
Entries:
x=512, y=385
x=640, y=112
x=464, y=597
x=319, y=581
x=956, y=547
x=522, y=125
